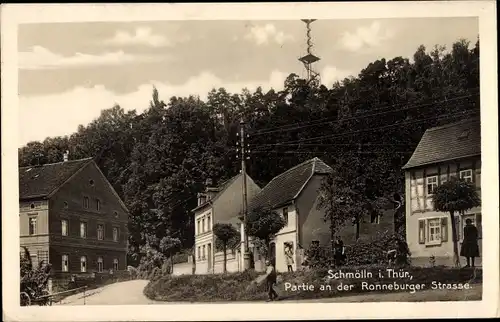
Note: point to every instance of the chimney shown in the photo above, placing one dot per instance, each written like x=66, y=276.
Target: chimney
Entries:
x=66, y=156
x=202, y=198
x=208, y=183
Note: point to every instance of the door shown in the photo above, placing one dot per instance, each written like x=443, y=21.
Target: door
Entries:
x=209, y=257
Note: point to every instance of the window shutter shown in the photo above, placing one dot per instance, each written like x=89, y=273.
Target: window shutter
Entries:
x=421, y=231
x=444, y=229
x=479, y=226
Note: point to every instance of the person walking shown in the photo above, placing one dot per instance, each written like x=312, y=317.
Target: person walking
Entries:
x=289, y=257
x=339, y=253
x=470, y=248
x=271, y=281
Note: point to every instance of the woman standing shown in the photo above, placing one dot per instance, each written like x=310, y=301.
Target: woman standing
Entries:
x=470, y=248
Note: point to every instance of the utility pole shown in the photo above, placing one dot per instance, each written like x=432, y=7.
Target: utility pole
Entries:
x=243, y=146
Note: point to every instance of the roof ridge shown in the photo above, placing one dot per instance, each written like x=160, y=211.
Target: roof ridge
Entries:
x=444, y=126
x=54, y=163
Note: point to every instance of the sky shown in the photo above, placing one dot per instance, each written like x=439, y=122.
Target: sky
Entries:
x=69, y=72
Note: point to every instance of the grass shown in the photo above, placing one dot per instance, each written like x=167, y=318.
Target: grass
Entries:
x=239, y=287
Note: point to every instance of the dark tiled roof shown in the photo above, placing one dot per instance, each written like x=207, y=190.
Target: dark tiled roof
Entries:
x=40, y=181
x=447, y=142
x=286, y=186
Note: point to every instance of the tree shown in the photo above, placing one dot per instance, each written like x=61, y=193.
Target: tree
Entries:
x=34, y=281
x=455, y=196
x=226, y=235
x=264, y=223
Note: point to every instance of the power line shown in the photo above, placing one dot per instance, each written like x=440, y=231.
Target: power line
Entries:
x=297, y=126
x=369, y=129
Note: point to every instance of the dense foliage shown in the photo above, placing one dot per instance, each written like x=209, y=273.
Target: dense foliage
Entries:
x=158, y=160
x=34, y=280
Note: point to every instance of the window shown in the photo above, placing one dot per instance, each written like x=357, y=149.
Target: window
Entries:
x=432, y=183
x=100, y=264
x=115, y=264
x=115, y=234
x=203, y=225
x=64, y=227
x=32, y=206
x=466, y=175
x=65, y=263
x=203, y=254
x=32, y=224
x=100, y=232
x=433, y=231
x=199, y=226
x=375, y=218
x=83, y=230
x=65, y=205
x=208, y=223
x=115, y=213
x=434, y=226
x=91, y=182
x=86, y=202
x=285, y=215
x=199, y=252
x=98, y=204
x=83, y=264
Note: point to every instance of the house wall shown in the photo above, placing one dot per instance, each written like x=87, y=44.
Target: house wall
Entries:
x=419, y=207
x=68, y=204
x=38, y=243
x=233, y=261
x=204, y=239
x=182, y=269
x=229, y=204
x=314, y=228
x=289, y=233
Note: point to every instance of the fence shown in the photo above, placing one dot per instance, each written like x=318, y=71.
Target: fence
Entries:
x=54, y=297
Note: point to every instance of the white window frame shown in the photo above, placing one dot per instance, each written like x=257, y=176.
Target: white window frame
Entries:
x=83, y=264
x=83, y=232
x=115, y=264
x=100, y=231
x=428, y=227
x=65, y=263
x=100, y=264
x=428, y=182
x=33, y=227
x=116, y=234
x=64, y=227
x=467, y=175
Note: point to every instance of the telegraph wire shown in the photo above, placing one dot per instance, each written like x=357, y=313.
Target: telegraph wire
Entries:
x=302, y=125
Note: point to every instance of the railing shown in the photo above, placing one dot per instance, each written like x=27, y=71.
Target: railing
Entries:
x=51, y=296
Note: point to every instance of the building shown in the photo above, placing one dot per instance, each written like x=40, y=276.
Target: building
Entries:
x=71, y=217
x=220, y=204
x=295, y=194
x=452, y=150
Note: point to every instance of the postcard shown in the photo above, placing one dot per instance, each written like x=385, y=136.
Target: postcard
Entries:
x=249, y=161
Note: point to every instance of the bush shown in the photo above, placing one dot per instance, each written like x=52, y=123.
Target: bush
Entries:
x=34, y=281
x=203, y=288
x=374, y=251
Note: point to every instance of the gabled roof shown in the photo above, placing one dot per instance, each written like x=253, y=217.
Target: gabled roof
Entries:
x=41, y=181
x=220, y=190
x=287, y=186
x=448, y=142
